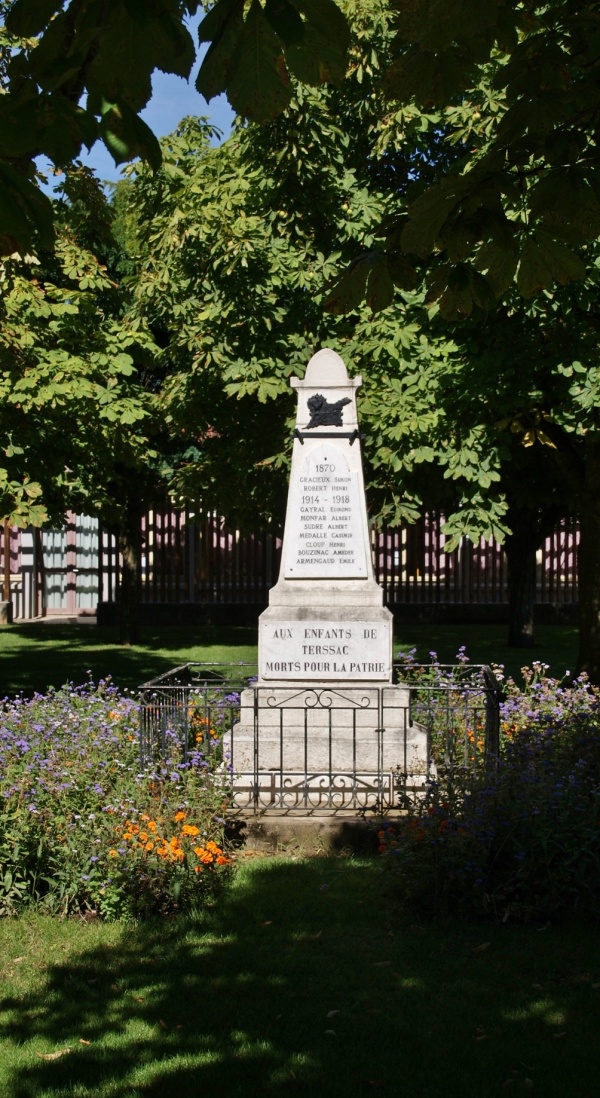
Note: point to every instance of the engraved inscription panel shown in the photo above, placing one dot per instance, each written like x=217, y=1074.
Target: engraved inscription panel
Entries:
x=324, y=530
x=325, y=650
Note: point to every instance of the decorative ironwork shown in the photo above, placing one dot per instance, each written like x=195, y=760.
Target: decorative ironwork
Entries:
x=324, y=414
x=322, y=749
x=319, y=697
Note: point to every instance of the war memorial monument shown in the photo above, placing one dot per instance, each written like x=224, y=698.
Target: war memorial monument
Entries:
x=324, y=719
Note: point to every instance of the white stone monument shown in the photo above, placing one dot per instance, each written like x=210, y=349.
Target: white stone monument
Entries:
x=324, y=706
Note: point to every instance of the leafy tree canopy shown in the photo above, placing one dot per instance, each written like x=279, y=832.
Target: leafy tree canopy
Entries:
x=75, y=413
x=75, y=71
x=513, y=86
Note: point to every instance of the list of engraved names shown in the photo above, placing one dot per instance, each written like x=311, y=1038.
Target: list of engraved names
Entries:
x=324, y=532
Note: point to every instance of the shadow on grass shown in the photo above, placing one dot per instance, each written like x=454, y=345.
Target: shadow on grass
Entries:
x=36, y=656
x=299, y=983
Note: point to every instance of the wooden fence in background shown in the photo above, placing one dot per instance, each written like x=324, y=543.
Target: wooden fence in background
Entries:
x=201, y=560
x=194, y=559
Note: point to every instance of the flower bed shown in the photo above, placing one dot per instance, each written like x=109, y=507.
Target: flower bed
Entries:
x=522, y=839
x=83, y=830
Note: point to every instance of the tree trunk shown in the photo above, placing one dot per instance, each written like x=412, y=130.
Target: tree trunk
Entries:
x=520, y=548
x=130, y=545
x=588, y=658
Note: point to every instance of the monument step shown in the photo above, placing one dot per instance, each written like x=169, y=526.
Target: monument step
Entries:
x=307, y=836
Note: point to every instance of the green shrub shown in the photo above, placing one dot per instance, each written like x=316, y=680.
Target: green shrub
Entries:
x=522, y=840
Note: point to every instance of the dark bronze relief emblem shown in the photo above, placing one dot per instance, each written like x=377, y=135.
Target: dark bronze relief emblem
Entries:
x=324, y=414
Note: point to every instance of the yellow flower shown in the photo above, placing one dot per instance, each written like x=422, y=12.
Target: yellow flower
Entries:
x=113, y=853
x=190, y=829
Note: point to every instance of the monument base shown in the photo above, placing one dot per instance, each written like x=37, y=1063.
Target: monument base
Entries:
x=347, y=744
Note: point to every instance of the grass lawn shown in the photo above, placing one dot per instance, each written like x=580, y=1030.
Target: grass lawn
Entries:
x=37, y=655
x=299, y=981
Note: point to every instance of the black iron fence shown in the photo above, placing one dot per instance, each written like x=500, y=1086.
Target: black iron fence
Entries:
x=199, y=703
x=323, y=749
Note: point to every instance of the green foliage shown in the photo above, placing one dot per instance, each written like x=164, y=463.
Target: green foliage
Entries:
x=255, y=47
x=512, y=88
x=241, y=258
x=73, y=407
x=517, y=90
x=235, y=250
x=78, y=71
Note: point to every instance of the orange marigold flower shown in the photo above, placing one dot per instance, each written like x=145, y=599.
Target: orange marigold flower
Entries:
x=179, y=816
x=149, y=846
x=222, y=860
x=144, y=817
x=199, y=851
x=190, y=829
x=127, y=835
x=207, y=857
x=152, y=826
x=143, y=836
x=113, y=853
x=135, y=829
x=198, y=869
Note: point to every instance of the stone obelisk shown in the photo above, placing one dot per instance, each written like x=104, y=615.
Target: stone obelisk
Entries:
x=326, y=620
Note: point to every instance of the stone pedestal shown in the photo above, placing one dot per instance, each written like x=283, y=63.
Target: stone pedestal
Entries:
x=337, y=728
x=336, y=746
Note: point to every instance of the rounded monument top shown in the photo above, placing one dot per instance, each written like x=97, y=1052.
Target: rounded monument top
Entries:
x=326, y=367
